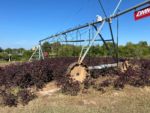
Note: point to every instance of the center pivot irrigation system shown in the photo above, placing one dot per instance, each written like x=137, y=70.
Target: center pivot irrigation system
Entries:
x=86, y=36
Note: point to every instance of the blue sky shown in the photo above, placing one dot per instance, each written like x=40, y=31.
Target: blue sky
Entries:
x=24, y=22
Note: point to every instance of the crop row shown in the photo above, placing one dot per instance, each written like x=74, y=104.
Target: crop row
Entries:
x=16, y=79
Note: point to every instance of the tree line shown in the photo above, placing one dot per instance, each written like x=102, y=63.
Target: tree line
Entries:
x=19, y=54
x=129, y=50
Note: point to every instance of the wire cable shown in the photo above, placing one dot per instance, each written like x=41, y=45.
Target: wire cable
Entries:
x=77, y=12
x=99, y=1
x=117, y=39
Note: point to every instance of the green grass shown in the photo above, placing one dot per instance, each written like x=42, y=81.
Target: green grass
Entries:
x=129, y=100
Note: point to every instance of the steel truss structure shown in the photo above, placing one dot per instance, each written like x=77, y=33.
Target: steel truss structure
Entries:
x=93, y=28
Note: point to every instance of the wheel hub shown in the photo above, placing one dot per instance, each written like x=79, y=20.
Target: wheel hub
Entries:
x=78, y=72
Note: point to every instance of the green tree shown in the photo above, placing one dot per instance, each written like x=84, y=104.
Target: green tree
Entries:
x=143, y=44
x=27, y=54
x=46, y=47
x=1, y=50
x=8, y=50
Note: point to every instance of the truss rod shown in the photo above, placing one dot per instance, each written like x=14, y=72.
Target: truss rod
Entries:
x=130, y=9
x=102, y=38
x=71, y=30
x=98, y=31
x=85, y=40
x=96, y=22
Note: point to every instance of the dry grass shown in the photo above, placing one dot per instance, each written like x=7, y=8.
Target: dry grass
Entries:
x=5, y=63
x=2, y=64
x=129, y=100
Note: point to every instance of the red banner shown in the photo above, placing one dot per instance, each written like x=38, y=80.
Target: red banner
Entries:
x=142, y=13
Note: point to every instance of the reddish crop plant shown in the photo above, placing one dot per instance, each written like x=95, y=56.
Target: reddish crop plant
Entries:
x=39, y=73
